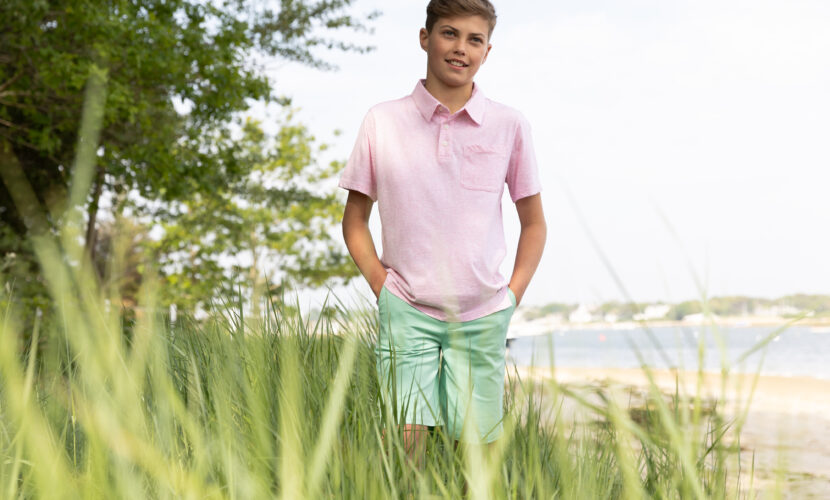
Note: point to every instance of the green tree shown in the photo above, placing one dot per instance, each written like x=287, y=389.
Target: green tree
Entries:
x=820, y=304
x=683, y=309
x=149, y=55
x=548, y=309
x=277, y=214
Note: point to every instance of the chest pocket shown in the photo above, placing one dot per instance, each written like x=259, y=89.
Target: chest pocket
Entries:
x=483, y=168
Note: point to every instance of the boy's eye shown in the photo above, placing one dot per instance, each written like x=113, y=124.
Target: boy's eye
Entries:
x=449, y=33
x=478, y=40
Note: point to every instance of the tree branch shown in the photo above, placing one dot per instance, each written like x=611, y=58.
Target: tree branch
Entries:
x=9, y=82
x=93, y=214
x=20, y=189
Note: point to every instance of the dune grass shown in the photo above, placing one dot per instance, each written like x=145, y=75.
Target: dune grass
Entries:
x=278, y=405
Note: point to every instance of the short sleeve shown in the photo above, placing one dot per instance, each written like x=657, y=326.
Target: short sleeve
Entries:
x=522, y=171
x=359, y=173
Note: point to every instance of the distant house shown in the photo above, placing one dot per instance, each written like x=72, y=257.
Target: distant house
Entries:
x=777, y=311
x=696, y=318
x=581, y=314
x=651, y=312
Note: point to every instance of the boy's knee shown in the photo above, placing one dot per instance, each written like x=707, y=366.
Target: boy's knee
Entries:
x=416, y=430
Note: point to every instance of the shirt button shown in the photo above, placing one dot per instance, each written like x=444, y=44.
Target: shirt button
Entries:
x=446, y=126
x=445, y=143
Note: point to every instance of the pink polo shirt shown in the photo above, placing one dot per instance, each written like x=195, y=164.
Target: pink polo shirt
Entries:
x=438, y=180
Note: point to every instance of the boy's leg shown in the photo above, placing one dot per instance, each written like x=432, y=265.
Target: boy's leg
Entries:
x=408, y=353
x=472, y=377
x=414, y=442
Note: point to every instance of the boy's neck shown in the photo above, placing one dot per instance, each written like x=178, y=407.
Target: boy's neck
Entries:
x=453, y=98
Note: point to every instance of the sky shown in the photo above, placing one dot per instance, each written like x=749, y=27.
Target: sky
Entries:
x=683, y=145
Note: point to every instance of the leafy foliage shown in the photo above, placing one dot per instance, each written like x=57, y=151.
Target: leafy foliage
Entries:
x=271, y=216
x=177, y=73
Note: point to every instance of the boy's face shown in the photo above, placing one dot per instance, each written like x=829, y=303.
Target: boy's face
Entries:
x=456, y=48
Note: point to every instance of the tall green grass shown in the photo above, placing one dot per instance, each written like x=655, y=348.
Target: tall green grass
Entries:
x=278, y=405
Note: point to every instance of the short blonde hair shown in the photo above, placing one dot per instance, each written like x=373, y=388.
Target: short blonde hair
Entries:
x=453, y=8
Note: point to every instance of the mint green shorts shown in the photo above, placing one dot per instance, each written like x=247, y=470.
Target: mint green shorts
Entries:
x=438, y=373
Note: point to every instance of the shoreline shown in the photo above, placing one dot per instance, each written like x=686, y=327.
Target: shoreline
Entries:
x=521, y=328
x=800, y=393
x=569, y=370
x=786, y=431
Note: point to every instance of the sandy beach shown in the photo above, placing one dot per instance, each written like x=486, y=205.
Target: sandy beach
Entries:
x=787, y=425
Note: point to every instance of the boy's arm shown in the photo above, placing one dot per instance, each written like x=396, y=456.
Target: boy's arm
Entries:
x=359, y=239
x=531, y=243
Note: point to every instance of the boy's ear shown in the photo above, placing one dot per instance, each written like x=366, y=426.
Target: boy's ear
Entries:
x=424, y=36
x=486, y=53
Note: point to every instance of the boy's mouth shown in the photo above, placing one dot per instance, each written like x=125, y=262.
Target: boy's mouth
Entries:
x=457, y=63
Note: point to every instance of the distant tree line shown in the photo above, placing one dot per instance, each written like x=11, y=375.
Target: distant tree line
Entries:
x=720, y=306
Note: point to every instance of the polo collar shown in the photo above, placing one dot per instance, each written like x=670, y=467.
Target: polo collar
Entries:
x=427, y=104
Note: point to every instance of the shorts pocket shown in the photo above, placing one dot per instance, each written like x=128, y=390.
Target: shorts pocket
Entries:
x=382, y=288
x=483, y=168
x=512, y=296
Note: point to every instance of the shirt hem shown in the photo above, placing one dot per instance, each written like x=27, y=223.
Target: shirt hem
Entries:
x=493, y=305
x=524, y=195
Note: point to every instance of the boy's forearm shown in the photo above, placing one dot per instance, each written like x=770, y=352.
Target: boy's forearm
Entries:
x=359, y=241
x=528, y=254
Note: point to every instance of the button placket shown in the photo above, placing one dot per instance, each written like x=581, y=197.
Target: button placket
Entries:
x=444, y=148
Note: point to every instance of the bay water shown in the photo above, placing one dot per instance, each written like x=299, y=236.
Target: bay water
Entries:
x=795, y=351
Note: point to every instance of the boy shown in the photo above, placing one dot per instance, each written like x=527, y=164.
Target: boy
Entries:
x=436, y=161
